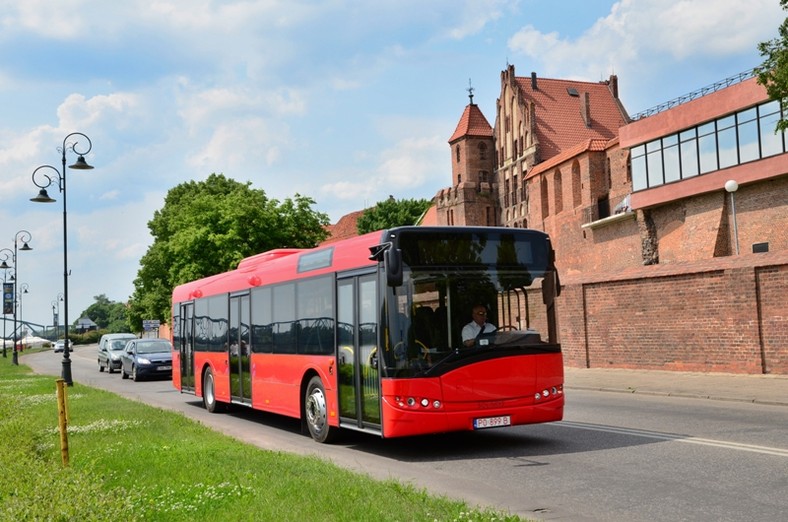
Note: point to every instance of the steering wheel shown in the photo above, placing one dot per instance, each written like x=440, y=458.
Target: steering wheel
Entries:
x=507, y=327
x=425, y=352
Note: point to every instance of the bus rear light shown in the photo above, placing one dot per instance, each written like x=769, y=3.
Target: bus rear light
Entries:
x=436, y=404
x=425, y=402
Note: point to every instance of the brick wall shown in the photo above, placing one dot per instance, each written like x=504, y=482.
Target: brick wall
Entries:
x=718, y=315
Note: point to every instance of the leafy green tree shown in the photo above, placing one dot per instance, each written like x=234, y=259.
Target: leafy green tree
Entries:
x=207, y=227
x=773, y=72
x=392, y=213
x=108, y=315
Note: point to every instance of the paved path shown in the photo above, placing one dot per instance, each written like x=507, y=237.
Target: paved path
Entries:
x=762, y=389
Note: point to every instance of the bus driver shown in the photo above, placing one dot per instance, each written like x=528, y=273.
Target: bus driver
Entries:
x=478, y=326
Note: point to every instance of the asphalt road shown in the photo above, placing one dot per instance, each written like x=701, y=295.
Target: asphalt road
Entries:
x=615, y=457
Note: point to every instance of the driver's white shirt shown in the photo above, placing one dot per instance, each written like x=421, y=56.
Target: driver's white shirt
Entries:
x=472, y=329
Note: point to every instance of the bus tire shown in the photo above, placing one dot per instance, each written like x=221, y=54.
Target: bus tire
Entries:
x=316, y=411
x=209, y=393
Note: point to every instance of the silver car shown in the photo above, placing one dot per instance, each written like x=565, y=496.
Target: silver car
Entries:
x=110, y=349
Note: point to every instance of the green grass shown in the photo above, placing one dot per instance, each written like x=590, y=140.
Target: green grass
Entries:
x=129, y=461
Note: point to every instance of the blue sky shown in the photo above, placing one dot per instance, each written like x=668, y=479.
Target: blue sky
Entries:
x=346, y=101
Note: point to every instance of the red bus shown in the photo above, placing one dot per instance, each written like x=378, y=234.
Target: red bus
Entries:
x=365, y=334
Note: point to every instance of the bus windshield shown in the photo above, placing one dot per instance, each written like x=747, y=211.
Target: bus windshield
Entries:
x=445, y=279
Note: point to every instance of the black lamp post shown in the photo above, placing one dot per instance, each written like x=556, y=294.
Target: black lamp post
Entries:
x=56, y=315
x=8, y=292
x=24, y=236
x=44, y=181
x=23, y=289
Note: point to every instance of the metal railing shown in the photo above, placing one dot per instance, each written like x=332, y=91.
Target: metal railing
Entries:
x=727, y=82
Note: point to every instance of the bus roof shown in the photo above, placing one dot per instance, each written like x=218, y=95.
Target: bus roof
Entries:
x=279, y=265
x=286, y=264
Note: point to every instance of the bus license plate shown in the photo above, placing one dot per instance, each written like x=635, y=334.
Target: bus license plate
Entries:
x=491, y=422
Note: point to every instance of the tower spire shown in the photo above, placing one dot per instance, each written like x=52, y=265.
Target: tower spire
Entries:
x=470, y=90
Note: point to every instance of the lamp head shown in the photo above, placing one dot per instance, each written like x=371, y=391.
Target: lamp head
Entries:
x=81, y=164
x=4, y=266
x=731, y=185
x=25, y=246
x=42, y=197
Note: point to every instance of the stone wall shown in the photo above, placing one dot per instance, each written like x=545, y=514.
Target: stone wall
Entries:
x=718, y=315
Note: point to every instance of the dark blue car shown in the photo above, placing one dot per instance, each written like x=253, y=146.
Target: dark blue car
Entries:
x=146, y=358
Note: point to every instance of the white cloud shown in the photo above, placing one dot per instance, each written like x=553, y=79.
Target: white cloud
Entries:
x=644, y=41
x=410, y=168
x=79, y=112
x=110, y=195
x=474, y=16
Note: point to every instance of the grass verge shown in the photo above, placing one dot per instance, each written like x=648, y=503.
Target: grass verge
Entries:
x=129, y=461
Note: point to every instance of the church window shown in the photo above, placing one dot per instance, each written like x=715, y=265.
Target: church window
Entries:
x=545, y=202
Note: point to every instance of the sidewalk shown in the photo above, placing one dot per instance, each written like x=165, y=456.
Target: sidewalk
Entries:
x=761, y=389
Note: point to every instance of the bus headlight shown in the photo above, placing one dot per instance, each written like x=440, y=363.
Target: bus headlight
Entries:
x=412, y=402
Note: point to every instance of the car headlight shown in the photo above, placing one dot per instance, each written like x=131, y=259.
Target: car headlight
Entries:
x=143, y=360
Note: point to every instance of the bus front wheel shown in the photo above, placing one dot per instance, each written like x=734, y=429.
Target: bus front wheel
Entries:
x=209, y=393
x=316, y=411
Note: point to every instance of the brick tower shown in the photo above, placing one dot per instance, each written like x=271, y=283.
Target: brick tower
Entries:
x=472, y=198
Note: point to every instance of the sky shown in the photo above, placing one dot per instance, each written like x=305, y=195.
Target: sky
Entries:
x=344, y=101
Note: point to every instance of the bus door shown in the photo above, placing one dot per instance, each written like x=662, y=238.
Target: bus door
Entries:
x=357, y=356
x=240, y=378
x=186, y=346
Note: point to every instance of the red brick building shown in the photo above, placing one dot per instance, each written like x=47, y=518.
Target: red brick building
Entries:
x=646, y=234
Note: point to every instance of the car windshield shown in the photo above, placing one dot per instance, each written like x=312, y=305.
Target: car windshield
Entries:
x=118, y=345
x=154, y=347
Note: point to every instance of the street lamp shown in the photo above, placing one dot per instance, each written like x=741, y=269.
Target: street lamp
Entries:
x=731, y=186
x=43, y=182
x=23, y=289
x=8, y=291
x=56, y=315
x=24, y=236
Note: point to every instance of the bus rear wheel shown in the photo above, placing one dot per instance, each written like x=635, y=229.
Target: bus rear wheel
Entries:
x=316, y=411
x=209, y=393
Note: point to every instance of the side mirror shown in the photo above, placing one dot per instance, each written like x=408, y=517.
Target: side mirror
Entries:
x=392, y=262
x=549, y=287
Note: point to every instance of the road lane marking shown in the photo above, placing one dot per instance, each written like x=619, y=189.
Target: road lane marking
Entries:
x=766, y=450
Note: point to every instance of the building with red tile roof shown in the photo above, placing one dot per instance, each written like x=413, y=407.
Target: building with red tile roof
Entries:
x=345, y=228
x=652, y=219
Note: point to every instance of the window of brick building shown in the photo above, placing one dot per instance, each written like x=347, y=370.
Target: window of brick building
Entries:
x=577, y=196
x=545, y=202
x=482, y=151
x=558, y=191
x=457, y=149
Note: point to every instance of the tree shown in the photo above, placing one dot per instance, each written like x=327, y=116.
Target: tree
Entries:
x=392, y=213
x=108, y=315
x=207, y=227
x=773, y=72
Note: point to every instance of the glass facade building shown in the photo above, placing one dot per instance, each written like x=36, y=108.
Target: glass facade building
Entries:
x=744, y=136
